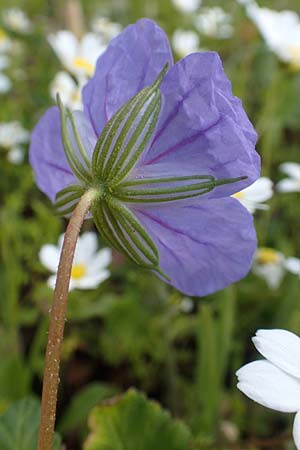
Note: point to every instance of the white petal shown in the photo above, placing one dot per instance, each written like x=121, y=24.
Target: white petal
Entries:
x=260, y=191
x=5, y=83
x=100, y=261
x=91, y=281
x=269, y=386
x=51, y=281
x=296, y=430
x=292, y=264
x=86, y=247
x=288, y=185
x=271, y=273
x=290, y=168
x=281, y=347
x=49, y=257
x=65, y=45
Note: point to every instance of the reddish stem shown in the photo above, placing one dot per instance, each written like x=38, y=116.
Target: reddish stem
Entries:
x=57, y=322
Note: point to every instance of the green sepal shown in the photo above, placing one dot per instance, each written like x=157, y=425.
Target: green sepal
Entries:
x=82, y=173
x=127, y=134
x=152, y=190
x=67, y=199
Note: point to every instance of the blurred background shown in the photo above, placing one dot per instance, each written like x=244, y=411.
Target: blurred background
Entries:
x=133, y=330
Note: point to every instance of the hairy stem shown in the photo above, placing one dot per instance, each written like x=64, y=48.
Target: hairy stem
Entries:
x=57, y=322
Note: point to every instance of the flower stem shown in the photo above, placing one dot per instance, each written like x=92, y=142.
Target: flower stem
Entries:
x=57, y=322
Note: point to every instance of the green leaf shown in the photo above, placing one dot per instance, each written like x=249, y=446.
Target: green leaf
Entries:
x=133, y=422
x=81, y=404
x=19, y=426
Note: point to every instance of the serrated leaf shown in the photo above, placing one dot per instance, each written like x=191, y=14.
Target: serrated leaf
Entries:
x=134, y=422
x=82, y=403
x=19, y=426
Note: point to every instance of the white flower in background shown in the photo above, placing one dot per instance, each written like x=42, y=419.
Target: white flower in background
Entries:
x=5, y=42
x=292, y=183
x=187, y=6
x=12, y=135
x=186, y=305
x=16, y=20
x=269, y=264
x=253, y=196
x=274, y=382
x=89, y=265
x=16, y=155
x=78, y=56
x=69, y=91
x=214, y=22
x=105, y=28
x=272, y=265
x=292, y=264
x=185, y=42
x=280, y=30
x=5, y=83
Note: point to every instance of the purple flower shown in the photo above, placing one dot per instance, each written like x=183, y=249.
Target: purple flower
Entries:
x=166, y=162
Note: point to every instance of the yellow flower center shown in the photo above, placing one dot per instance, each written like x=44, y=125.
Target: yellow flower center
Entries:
x=267, y=256
x=239, y=195
x=3, y=35
x=78, y=271
x=295, y=56
x=76, y=96
x=82, y=63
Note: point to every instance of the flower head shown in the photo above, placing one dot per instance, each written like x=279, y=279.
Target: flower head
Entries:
x=253, y=196
x=15, y=19
x=274, y=382
x=280, y=30
x=89, y=265
x=12, y=136
x=69, y=91
x=214, y=22
x=272, y=265
x=185, y=42
x=165, y=146
x=5, y=83
x=78, y=56
x=292, y=183
x=187, y=6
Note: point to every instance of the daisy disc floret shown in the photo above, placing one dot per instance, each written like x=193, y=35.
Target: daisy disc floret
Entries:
x=165, y=146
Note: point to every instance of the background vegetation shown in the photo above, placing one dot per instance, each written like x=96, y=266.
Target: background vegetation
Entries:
x=133, y=330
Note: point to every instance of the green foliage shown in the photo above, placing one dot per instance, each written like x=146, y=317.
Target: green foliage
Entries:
x=19, y=426
x=81, y=404
x=132, y=421
x=133, y=330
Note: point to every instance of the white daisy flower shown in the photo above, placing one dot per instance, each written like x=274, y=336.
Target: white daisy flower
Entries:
x=69, y=91
x=78, y=56
x=274, y=382
x=105, y=28
x=15, y=155
x=292, y=183
x=272, y=265
x=187, y=6
x=254, y=196
x=292, y=265
x=214, y=22
x=269, y=264
x=280, y=30
x=15, y=19
x=89, y=265
x=5, y=83
x=5, y=42
x=12, y=134
x=185, y=42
